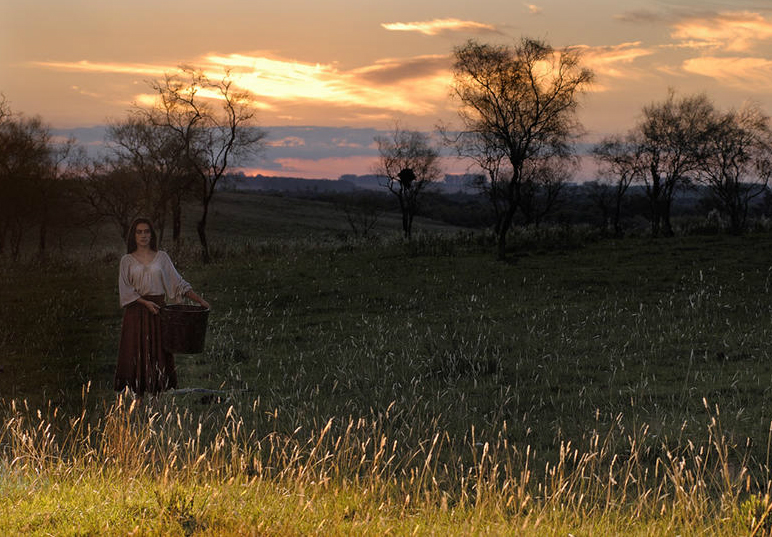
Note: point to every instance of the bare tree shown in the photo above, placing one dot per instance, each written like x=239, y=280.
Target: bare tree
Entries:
x=362, y=211
x=32, y=169
x=215, y=124
x=158, y=158
x=542, y=185
x=518, y=107
x=52, y=188
x=670, y=145
x=737, y=161
x=495, y=167
x=23, y=151
x=619, y=161
x=112, y=193
x=408, y=163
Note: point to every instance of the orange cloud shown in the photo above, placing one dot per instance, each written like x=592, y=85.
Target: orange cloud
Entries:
x=297, y=81
x=732, y=31
x=614, y=61
x=533, y=9
x=86, y=93
x=749, y=74
x=438, y=26
x=387, y=86
x=289, y=141
x=118, y=68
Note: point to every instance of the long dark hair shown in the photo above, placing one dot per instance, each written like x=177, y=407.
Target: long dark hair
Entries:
x=131, y=239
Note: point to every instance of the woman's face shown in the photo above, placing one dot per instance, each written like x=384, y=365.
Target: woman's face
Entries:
x=142, y=235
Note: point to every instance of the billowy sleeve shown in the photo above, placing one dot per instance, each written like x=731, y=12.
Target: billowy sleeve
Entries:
x=126, y=290
x=174, y=285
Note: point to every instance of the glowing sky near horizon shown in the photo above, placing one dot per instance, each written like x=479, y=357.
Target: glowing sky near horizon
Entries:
x=365, y=64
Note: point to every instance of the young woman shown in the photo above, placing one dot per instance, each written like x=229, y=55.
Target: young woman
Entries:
x=146, y=277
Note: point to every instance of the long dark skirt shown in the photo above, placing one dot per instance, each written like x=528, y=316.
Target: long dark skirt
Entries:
x=143, y=364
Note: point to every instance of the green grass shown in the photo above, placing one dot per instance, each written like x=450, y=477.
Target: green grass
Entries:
x=588, y=387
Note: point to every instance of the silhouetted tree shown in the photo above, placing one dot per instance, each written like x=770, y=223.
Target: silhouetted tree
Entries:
x=620, y=165
x=737, y=161
x=53, y=188
x=214, y=123
x=111, y=193
x=518, y=109
x=601, y=196
x=362, y=211
x=542, y=184
x=158, y=158
x=33, y=167
x=669, y=147
x=408, y=163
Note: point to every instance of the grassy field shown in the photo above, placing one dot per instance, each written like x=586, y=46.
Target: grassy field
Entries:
x=368, y=387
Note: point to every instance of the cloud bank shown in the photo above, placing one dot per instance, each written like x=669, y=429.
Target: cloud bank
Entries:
x=442, y=26
x=381, y=89
x=731, y=31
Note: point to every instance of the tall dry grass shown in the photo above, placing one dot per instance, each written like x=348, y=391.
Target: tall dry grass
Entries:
x=617, y=478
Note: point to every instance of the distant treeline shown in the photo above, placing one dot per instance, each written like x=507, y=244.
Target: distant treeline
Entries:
x=694, y=210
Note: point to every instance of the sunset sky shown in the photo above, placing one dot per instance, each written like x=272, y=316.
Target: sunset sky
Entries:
x=327, y=75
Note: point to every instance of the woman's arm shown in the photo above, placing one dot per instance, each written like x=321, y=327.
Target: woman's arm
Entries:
x=191, y=294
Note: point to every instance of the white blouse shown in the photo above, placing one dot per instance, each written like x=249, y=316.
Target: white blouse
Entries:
x=159, y=277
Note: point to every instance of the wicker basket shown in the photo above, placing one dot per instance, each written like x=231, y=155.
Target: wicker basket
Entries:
x=183, y=328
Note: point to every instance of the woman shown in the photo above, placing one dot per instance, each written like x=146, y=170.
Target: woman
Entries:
x=145, y=278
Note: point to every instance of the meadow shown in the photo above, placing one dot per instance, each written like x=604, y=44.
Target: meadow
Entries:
x=588, y=386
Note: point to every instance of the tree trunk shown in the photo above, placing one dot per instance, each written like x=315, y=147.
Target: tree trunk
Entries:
x=667, y=225
x=176, y=221
x=201, y=228
x=42, y=237
x=506, y=223
x=655, y=217
x=43, y=229
x=737, y=219
x=618, y=218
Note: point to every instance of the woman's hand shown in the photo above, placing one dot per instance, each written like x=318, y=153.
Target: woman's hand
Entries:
x=150, y=305
x=193, y=296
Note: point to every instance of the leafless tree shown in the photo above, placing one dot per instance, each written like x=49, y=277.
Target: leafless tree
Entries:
x=362, y=211
x=53, y=188
x=737, y=161
x=670, y=144
x=542, y=184
x=33, y=167
x=408, y=163
x=518, y=107
x=110, y=193
x=215, y=124
x=158, y=158
x=619, y=164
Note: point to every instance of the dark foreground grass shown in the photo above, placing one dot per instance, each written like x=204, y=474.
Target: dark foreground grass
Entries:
x=617, y=387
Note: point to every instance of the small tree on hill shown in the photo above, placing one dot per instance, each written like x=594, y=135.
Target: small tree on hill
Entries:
x=408, y=163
